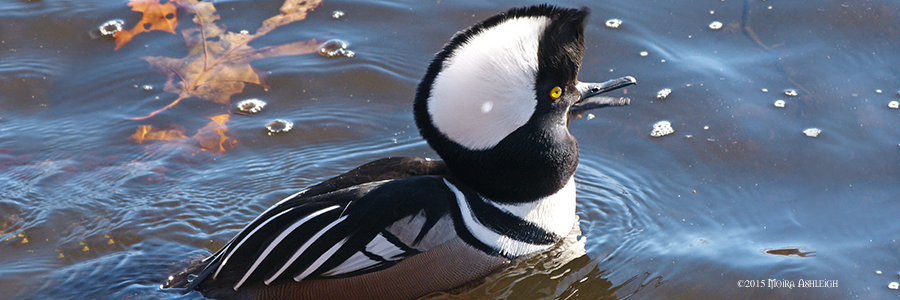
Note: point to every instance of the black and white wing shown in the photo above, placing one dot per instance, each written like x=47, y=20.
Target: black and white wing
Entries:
x=345, y=228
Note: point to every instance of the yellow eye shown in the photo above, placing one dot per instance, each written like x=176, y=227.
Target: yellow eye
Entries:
x=555, y=93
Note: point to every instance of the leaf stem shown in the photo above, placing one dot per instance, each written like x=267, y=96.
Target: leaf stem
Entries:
x=159, y=110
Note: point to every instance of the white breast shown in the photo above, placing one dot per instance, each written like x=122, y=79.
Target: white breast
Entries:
x=554, y=213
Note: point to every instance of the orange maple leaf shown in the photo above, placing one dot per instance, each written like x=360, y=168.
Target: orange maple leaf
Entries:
x=218, y=62
x=156, y=17
x=150, y=133
x=211, y=138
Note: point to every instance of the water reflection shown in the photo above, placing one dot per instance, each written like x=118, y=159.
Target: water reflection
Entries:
x=563, y=272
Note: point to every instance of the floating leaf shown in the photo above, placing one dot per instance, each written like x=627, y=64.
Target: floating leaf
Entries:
x=156, y=17
x=218, y=62
x=791, y=251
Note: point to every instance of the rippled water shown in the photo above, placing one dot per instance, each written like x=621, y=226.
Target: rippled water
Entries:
x=734, y=194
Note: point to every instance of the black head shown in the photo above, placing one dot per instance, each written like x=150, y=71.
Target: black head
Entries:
x=496, y=101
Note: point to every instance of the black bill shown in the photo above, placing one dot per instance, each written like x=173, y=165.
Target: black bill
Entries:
x=590, y=91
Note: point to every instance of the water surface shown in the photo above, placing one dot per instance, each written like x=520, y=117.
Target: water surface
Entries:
x=737, y=193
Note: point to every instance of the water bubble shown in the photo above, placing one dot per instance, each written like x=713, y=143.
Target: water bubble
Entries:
x=337, y=14
x=662, y=128
x=878, y=272
x=279, y=126
x=645, y=53
x=705, y=127
x=250, y=106
x=245, y=32
x=812, y=132
x=613, y=23
x=590, y=116
x=765, y=90
x=663, y=93
x=191, y=277
x=878, y=91
x=111, y=27
x=147, y=87
x=894, y=104
x=779, y=103
x=791, y=93
x=335, y=47
x=716, y=25
x=894, y=285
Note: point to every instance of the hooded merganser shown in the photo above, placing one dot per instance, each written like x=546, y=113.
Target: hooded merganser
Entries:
x=495, y=104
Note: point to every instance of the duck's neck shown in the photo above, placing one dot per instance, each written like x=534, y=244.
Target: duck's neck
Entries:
x=522, y=168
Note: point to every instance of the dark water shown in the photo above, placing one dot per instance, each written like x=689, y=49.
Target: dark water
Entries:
x=87, y=213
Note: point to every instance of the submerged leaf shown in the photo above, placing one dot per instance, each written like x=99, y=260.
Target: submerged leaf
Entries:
x=211, y=138
x=218, y=62
x=150, y=133
x=156, y=17
x=291, y=11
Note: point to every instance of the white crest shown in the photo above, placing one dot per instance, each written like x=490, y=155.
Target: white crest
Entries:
x=485, y=89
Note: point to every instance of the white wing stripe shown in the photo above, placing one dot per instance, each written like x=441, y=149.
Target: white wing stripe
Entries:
x=238, y=246
x=382, y=247
x=303, y=248
x=356, y=262
x=245, y=228
x=318, y=263
x=275, y=242
x=220, y=252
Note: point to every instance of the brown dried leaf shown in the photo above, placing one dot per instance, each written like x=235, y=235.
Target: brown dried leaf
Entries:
x=291, y=11
x=218, y=62
x=156, y=17
x=150, y=133
x=211, y=138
